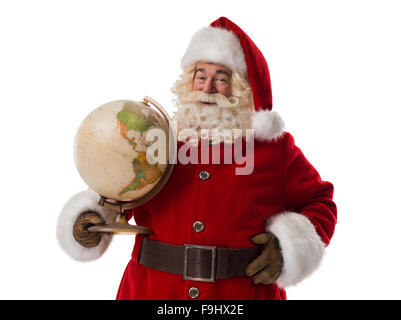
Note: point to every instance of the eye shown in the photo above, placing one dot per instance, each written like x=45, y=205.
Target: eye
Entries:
x=201, y=78
x=221, y=81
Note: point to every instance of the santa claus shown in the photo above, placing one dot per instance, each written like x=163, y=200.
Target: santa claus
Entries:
x=219, y=232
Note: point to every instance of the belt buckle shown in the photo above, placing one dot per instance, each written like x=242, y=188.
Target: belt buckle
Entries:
x=213, y=249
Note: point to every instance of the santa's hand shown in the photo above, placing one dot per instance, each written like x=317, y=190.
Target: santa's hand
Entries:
x=267, y=267
x=80, y=231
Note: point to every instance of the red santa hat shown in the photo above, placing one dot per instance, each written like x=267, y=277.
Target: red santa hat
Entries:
x=225, y=43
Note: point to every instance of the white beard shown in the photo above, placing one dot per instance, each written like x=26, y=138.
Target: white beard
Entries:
x=225, y=120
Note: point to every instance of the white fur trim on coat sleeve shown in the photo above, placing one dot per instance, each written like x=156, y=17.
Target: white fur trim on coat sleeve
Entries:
x=301, y=247
x=267, y=125
x=82, y=202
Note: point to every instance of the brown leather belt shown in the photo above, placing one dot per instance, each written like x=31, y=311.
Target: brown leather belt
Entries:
x=193, y=262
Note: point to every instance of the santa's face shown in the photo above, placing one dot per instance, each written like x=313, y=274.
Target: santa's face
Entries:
x=212, y=78
x=212, y=97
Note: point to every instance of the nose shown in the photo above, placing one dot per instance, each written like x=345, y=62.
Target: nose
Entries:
x=208, y=86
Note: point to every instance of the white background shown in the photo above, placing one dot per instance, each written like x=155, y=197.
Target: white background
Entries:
x=335, y=69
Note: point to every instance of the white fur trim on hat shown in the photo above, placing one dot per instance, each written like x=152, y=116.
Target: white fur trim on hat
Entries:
x=301, y=247
x=216, y=45
x=268, y=125
x=82, y=202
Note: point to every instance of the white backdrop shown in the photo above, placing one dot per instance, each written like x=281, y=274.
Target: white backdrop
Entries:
x=335, y=69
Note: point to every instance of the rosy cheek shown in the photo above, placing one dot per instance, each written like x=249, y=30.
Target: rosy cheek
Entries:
x=195, y=86
x=225, y=91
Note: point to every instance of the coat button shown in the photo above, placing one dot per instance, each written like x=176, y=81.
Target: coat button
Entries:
x=198, y=226
x=204, y=175
x=193, y=292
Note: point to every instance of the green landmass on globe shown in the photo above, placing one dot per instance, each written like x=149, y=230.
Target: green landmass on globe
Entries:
x=145, y=173
x=132, y=121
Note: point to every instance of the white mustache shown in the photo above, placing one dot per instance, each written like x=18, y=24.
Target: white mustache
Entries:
x=212, y=98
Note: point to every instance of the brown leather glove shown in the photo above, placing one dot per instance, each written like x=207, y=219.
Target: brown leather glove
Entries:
x=82, y=236
x=267, y=267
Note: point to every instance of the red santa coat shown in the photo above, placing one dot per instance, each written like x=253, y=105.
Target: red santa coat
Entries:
x=284, y=195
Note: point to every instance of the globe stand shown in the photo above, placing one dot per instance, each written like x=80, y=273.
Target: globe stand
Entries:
x=120, y=225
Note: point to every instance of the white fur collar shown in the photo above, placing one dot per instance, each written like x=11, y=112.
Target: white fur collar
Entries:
x=268, y=125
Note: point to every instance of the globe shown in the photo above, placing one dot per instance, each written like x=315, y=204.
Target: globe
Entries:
x=120, y=151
